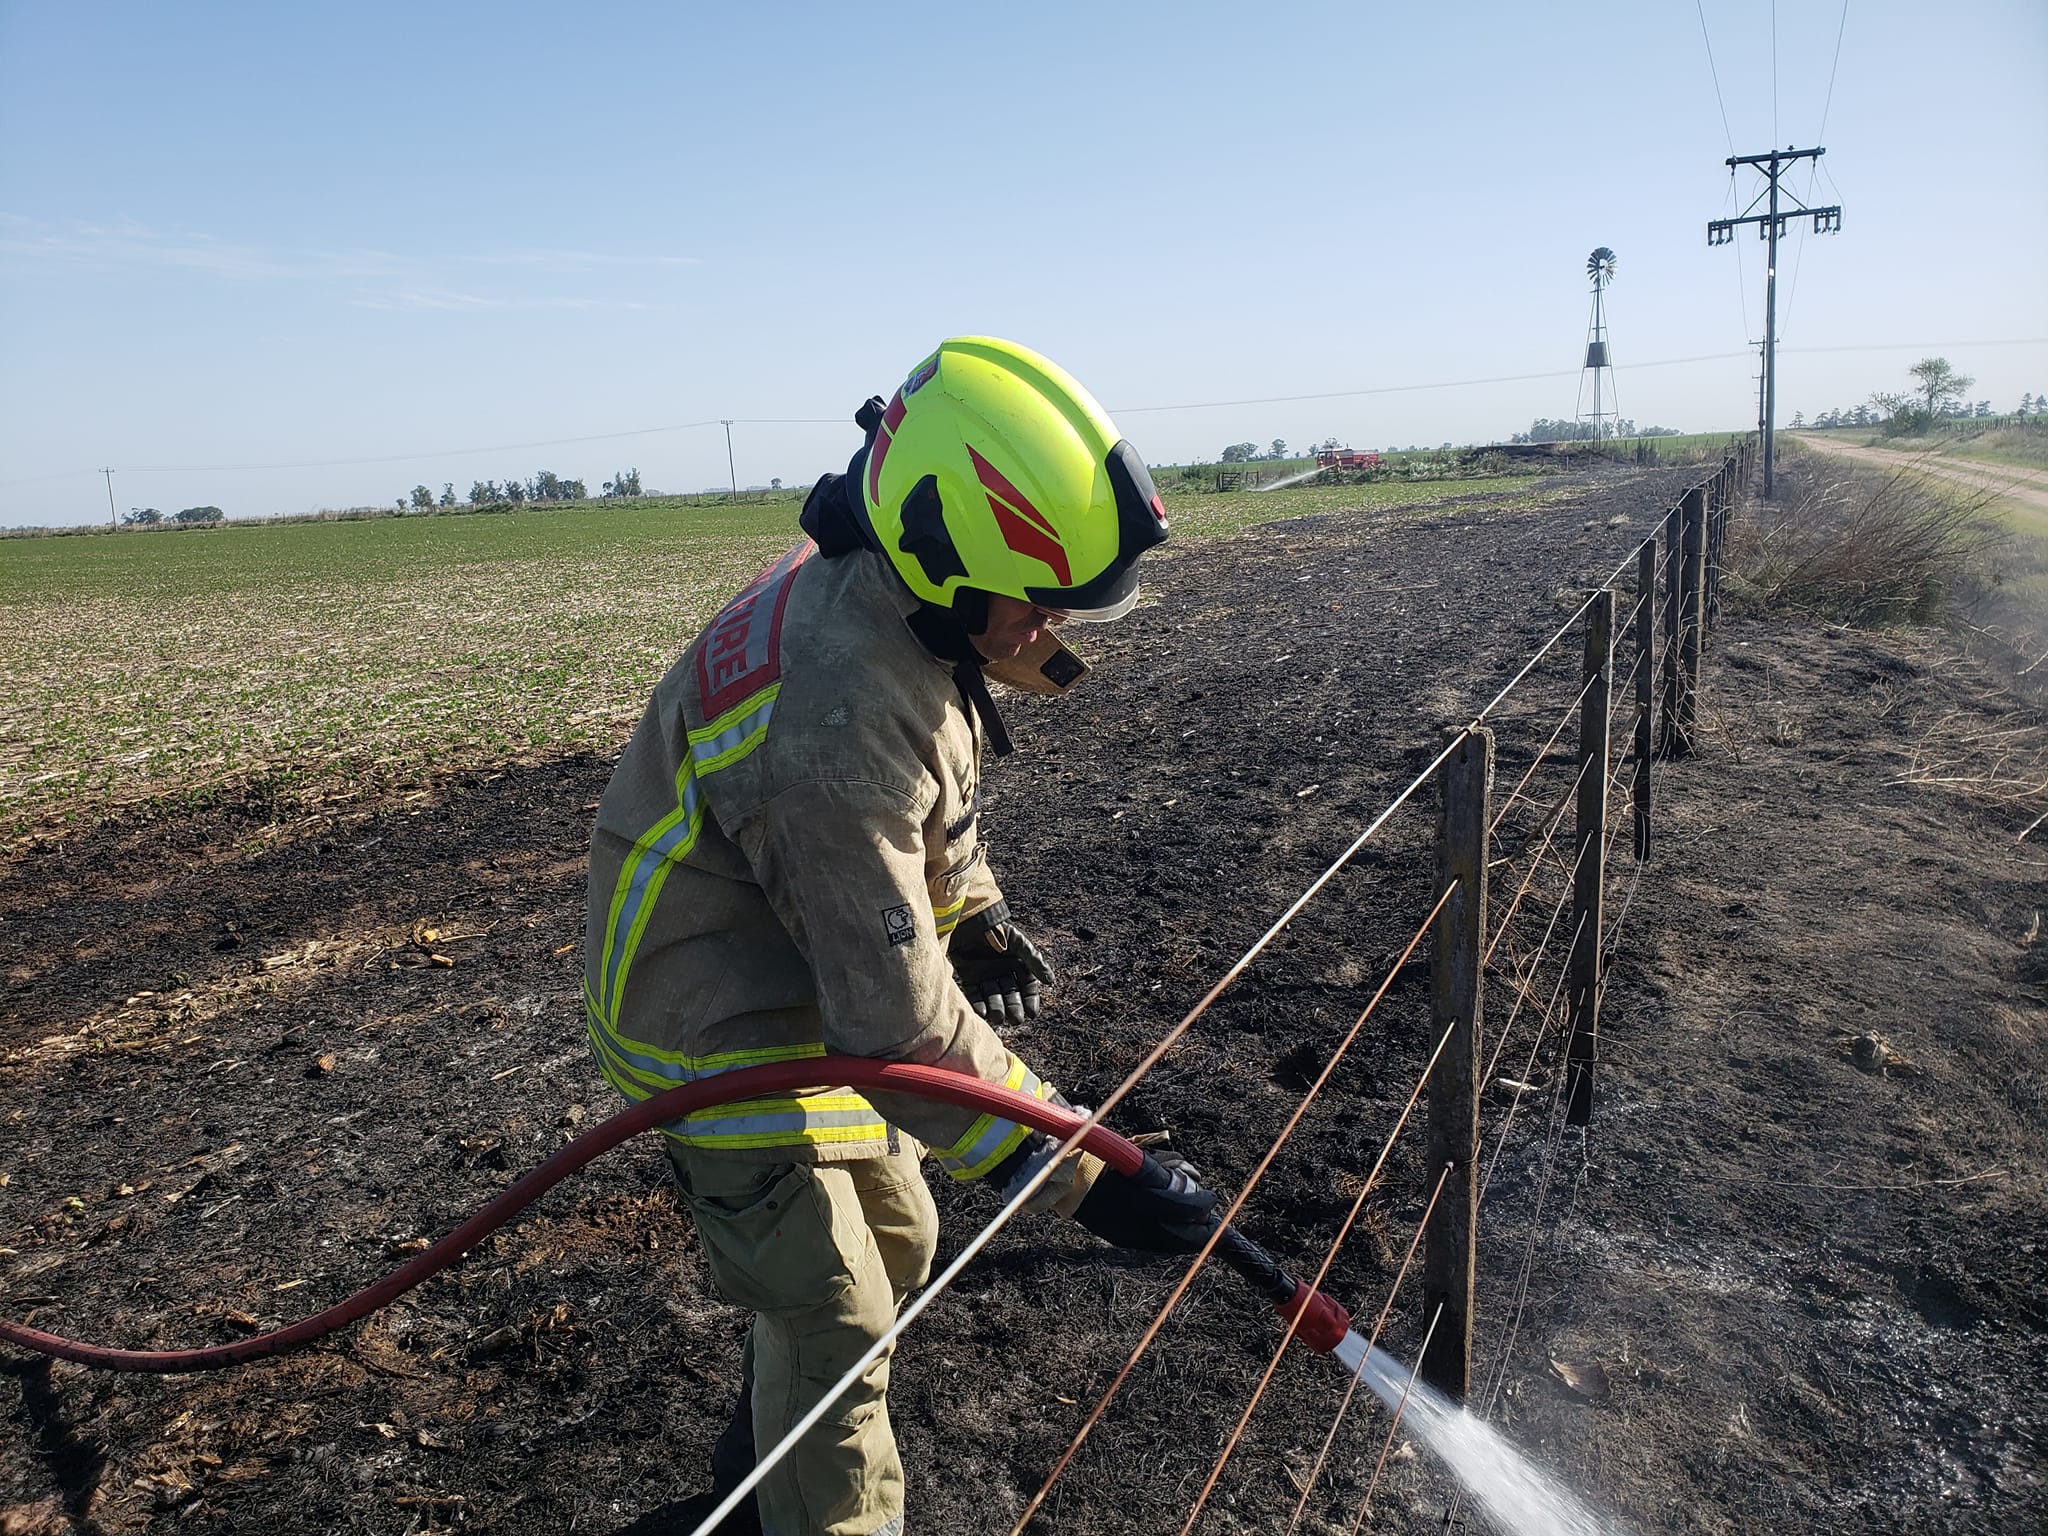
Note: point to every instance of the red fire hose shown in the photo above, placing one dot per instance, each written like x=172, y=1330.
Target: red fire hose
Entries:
x=1323, y=1322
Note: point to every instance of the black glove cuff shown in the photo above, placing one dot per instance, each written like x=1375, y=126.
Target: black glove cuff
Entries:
x=999, y=1176
x=977, y=928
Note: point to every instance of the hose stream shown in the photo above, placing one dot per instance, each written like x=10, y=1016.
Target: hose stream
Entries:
x=747, y=1083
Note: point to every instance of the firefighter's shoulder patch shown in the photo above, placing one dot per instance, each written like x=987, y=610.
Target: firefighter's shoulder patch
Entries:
x=899, y=924
x=741, y=649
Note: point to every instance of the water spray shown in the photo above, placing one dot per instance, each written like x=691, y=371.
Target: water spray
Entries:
x=1517, y=1497
x=1294, y=479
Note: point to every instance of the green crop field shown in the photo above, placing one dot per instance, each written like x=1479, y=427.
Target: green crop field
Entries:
x=1225, y=512
x=324, y=661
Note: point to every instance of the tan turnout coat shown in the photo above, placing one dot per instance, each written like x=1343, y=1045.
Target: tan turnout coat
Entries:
x=778, y=859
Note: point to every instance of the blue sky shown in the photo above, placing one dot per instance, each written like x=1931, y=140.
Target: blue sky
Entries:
x=236, y=235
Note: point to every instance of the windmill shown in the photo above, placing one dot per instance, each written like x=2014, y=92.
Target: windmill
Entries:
x=1600, y=268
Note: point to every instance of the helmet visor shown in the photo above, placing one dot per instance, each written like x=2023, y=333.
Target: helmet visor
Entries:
x=1141, y=523
x=1112, y=603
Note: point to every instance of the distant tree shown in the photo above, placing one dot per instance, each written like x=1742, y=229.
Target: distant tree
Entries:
x=569, y=490
x=422, y=498
x=545, y=486
x=400, y=503
x=1862, y=416
x=775, y=484
x=1240, y=453
x=1661, y=432
x=447, y=493
x=1279, y=449
x=515, y=491
x=142, y=517
x=1940, y=386
x=1983, y=408
x=197, y=515
x=1798, y=419
x=625, y=483
x=1545, y=430
x=481, y=491
x=2026, y=404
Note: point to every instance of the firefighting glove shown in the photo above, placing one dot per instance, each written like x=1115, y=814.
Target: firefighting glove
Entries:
x=1065, y=1187
x=1162, y=1208
x=1000, y=970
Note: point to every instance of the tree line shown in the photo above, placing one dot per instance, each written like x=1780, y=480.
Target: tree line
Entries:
x=1545, y=430
x=151, y=517
x=544, y=486
x=1249, y=453
x=1940, y=392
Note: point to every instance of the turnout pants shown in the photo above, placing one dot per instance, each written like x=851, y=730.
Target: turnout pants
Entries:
x=823, y=1254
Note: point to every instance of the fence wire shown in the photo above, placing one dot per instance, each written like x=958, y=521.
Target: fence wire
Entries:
x=1151, y=1059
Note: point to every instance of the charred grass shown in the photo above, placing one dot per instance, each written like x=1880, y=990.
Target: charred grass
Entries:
x=1807, y=1280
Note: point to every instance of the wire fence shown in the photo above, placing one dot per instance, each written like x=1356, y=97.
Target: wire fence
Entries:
x=1662, y=637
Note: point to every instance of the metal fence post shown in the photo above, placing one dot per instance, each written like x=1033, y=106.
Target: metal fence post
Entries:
x=1589, y=872
x=1457, y=978
x=1710, y=499
x=1691, y=616
x=1673, y=563
x=1717, y=501
x=1646, y=647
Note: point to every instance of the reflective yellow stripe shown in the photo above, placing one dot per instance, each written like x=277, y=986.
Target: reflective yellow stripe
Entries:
x=662, y=846
x=991, y=1138
x=782, y=1123
x=946, y=919
x=666, y=1069
x=713, y=746
x=639, y=1071
x=724, y=741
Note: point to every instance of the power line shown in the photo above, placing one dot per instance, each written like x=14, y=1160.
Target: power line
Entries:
x=1840, y=28
x=1402, y=389
x=404, y=458
x=1741, y=282
x=1716, y=73
x=1813, y=171
x=455, y=453
x=1127, y=410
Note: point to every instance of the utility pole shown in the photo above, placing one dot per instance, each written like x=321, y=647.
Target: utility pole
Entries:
x=113, y=526
x=1770, y=226
x=1759, y=390
x=735, y=474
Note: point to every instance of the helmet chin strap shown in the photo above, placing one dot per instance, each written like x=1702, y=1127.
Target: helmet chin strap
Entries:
x=942, y=632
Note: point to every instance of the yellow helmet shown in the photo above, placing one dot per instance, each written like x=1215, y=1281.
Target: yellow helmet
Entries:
x=992, y=470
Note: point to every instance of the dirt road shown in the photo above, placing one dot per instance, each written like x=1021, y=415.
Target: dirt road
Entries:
x=2029, y=487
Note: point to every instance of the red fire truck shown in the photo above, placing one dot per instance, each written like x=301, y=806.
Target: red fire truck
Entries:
x=1346, y=458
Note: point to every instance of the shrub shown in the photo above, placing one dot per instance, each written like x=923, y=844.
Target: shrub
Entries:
x=1910, y=421
x=1860, y=549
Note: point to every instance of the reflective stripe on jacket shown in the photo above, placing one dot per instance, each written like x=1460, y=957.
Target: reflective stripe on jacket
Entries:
x=786, y=842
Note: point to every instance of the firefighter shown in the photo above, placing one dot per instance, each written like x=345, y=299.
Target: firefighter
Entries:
x=787, y=862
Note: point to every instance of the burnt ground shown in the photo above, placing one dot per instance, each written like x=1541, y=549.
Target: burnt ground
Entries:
x=1799, y=1292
